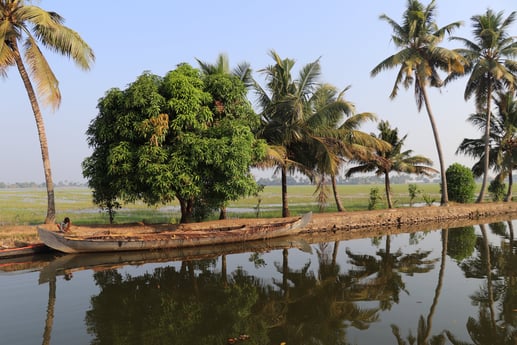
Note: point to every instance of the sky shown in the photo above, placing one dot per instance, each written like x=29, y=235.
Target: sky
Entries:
x=131, y=37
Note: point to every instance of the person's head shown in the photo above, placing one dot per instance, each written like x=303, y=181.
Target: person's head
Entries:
x=67, y=220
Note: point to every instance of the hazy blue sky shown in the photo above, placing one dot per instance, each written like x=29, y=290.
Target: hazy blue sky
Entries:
x=130, y=37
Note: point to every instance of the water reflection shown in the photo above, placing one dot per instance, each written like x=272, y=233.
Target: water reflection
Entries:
x=447, y=286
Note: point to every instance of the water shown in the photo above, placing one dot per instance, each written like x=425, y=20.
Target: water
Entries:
x=433, y=286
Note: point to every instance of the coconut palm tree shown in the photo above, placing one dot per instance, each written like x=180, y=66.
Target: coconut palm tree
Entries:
x=502, y=140
x=419, y=60
x=490, y=62
x=393, y=159
x=222, y=66
x=339, y=139
x=22, y=28
x=284, y=108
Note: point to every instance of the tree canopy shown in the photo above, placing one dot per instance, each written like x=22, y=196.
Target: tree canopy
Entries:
x=186, y=135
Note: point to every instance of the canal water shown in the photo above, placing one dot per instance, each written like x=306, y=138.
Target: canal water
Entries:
x=441, y=286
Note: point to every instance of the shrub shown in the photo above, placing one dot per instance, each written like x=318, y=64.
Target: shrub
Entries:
x=374, y=198
x=460, y=183
x=497, y=190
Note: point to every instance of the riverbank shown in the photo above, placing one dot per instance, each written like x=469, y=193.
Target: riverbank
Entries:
x=355, y=224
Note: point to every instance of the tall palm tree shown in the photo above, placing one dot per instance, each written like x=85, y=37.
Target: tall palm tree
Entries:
x=284, y=106
x=393, y=159
x=22, y=27
x=502, y=140
x=490, y=62
x=419, y=60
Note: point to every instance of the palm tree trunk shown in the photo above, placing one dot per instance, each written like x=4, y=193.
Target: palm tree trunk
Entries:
x=339, y=205
x=49, y=321
x=487, y=146
x=285, y=204
x=445, y=197
x=51, y=206
x=388, y=189
x=508, y=196
x=438, y=289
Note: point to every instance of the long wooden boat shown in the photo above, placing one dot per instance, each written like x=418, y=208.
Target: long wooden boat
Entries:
x=83, y=240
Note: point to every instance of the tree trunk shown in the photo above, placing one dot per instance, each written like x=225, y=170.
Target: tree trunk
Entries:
x=51, y=207
x=487, y=146
x=508, y=196
x=285, y=204
x=388, y=189
x=222, y=213
x=187, y=208
x=339, y=205
x=445, y=197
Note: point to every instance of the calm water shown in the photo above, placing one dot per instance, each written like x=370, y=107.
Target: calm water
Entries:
x=456, y=286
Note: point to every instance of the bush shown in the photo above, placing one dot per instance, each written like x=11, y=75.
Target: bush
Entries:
x=460, y=183
x=497, y=190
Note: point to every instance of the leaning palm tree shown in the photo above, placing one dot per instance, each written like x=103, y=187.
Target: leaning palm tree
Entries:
x=22, y=27
x=392, y=160
x=502, y=140
x=284, y=107
x=419, y=61
x=490, y=62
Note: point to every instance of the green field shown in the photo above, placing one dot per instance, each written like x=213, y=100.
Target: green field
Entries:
x=25, y=206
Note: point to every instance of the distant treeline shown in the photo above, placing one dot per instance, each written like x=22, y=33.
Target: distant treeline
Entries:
x=358, y=180
x=4, y=185
x=271, y=181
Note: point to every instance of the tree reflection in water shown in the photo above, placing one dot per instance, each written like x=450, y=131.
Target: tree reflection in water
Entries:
x=194, y=304
x=310, y=304
x=497, y=265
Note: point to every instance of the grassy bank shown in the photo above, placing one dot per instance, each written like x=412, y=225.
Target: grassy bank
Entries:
x=28, y=206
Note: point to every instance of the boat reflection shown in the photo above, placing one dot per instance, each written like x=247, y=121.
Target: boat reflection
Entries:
x=66, y=264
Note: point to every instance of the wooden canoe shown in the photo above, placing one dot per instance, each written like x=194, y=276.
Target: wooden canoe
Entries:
x=160, y=238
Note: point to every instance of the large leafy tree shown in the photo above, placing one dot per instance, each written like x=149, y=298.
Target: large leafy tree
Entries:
x=166, y=138
x=492, y=66
x=219, y=91
x=284, y=114
x=419, y=61
x=23, y=28
x=502, y=140
x=392, y=160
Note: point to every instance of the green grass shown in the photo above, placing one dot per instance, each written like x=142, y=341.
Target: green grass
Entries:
x=28, y=206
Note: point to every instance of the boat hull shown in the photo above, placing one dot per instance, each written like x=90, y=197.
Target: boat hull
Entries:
x=168, y=239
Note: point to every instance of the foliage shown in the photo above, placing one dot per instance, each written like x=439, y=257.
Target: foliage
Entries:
x=461, y=184
x=184, y=136
x=497, y=189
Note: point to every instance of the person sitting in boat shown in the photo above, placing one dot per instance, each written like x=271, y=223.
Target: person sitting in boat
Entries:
x=65, y=225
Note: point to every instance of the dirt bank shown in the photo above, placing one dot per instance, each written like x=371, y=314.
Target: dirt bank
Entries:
x=357, y=224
